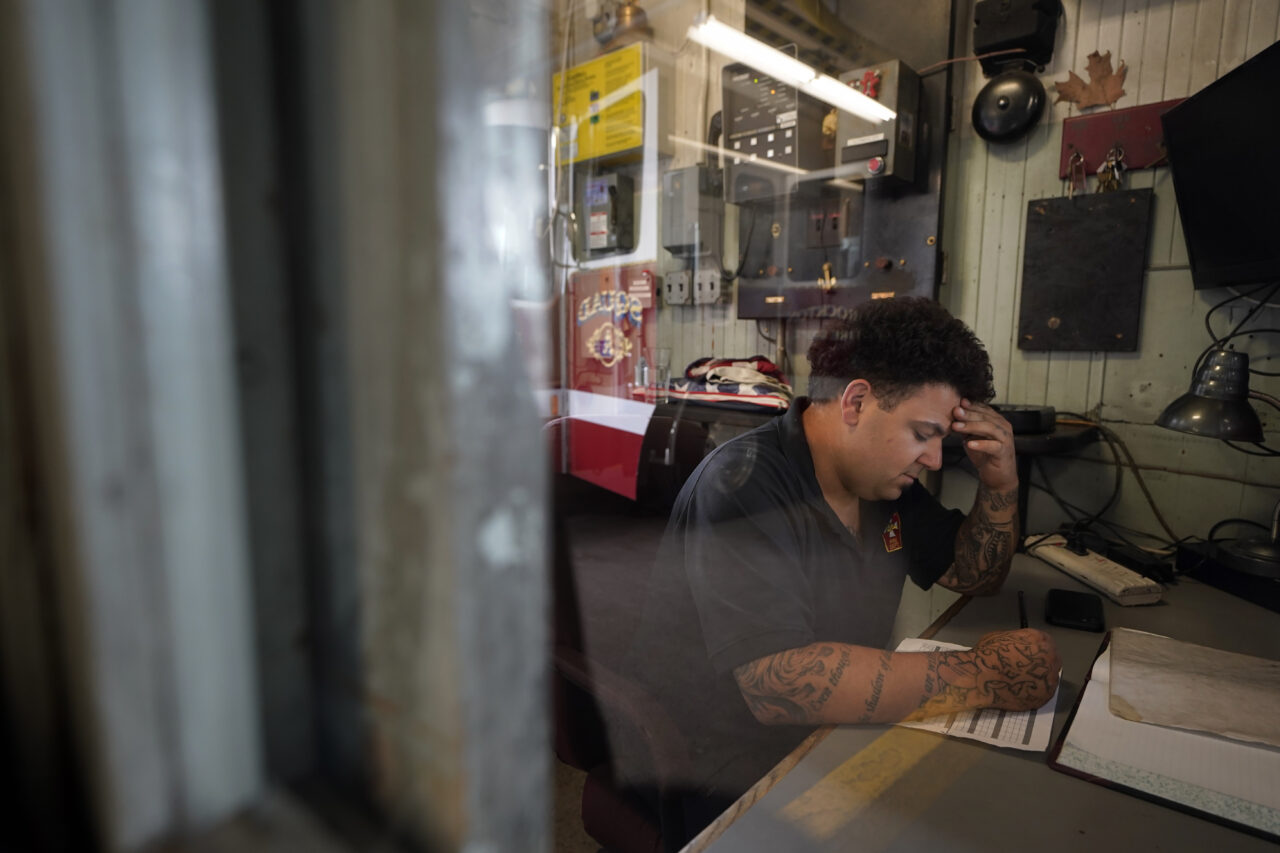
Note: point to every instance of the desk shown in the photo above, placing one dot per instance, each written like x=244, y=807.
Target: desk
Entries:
x=888, y=788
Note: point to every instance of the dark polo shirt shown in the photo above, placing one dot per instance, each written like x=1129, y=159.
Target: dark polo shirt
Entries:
x=754, y=562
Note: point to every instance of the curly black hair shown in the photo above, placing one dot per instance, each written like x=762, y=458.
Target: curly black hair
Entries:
x=899, y=345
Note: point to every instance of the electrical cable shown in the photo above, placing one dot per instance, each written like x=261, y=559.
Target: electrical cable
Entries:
x=1069, y=509
x=1215, y=345
x=1213, y=531
x=1115, y=488
x=1142, y=483
x=1257, y=307
x=1267, y=357
x=1247, y=298
x=1076, y=513
x=783, y=356
x=1053, y=493
x=1262, y=449
x=1113, y=527
x=1236, y=331
x=1088, y=520
x=1208, y=326
x=1133, y=466
x=1253, y=370
x=746, y=248
x=938, y=66
x=715, y=128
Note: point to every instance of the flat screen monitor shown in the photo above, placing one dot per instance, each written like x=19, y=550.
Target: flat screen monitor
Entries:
x=1222, y=146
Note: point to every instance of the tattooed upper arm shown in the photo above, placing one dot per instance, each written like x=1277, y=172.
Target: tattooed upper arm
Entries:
x=792, y=686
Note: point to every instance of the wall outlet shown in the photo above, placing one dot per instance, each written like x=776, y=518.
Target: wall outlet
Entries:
x=675, y=288
x=707, y=287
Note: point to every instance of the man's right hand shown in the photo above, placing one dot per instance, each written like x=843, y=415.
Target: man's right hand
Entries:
x=1012, y=670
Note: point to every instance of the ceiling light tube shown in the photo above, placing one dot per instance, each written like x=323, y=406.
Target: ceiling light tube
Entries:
x=845, y=97
x=740, y=47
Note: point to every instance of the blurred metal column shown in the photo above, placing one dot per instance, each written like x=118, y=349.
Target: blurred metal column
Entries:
x=139, y=409
x=495, y=75
x=449, y=463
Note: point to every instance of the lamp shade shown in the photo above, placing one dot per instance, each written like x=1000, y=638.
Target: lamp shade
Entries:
x=1217, y=406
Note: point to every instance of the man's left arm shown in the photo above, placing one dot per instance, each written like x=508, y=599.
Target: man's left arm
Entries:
x=987, y=539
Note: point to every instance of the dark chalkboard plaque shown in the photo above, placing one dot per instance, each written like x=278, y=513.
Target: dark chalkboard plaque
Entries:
x=1082, y=272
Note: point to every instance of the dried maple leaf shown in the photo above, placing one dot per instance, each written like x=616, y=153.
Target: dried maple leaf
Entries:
x=1104, y=86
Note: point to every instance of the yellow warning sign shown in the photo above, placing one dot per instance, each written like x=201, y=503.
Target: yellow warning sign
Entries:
x=602, y=112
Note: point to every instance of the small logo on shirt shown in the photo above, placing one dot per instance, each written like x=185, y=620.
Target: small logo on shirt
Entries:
x=892, y=534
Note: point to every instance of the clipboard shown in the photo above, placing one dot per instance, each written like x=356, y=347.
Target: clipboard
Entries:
x=1243, y=815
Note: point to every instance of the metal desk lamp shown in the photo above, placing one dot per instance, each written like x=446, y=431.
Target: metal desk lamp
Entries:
x=1217, y=406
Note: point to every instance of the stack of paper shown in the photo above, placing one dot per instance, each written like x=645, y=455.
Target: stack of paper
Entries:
x=1192, y=726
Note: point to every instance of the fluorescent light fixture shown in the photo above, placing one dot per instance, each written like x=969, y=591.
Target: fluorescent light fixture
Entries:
x=845, y=97
x=747, y=158
x=740, y=47
x=802, y=174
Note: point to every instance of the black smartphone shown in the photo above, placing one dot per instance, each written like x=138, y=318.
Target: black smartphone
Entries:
x=1072, y=609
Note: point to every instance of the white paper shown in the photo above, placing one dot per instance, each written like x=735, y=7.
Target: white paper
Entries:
x=1168, y=682
x=1238, y=781
x=1028, y=730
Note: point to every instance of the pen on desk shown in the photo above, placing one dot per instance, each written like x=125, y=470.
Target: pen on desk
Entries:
x=1022, y=609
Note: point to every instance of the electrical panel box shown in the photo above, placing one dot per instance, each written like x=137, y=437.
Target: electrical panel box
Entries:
x=598, y=107
x=608, y=209
x=867, y=149
x=772, y=134
x=848, y=229
x=693, y=211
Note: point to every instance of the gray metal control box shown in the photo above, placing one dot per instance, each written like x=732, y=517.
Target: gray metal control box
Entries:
x=868, y=149
x=772, y=133
x=693, y=211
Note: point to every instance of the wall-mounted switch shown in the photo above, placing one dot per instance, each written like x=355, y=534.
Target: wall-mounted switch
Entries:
x=707, y=287
x=675, y=288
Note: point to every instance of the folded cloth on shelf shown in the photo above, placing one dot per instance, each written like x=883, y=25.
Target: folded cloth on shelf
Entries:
x=748, y=384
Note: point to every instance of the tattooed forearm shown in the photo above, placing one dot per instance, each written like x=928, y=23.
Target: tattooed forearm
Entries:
x=1014, y=670
x=877, y=688
x=788, y=687
x=930, y=678
x=985, y=543
x=838, y=683
x=1000, y=501
x=838, y=669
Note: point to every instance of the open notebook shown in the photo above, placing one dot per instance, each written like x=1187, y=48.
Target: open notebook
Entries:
x=1232, y=781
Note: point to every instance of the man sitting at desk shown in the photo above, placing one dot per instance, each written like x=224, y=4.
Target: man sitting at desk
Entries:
x=778, y=579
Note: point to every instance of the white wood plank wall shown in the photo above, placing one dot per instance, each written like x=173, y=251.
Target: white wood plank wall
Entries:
x=695, y=331
x=1171, y=48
